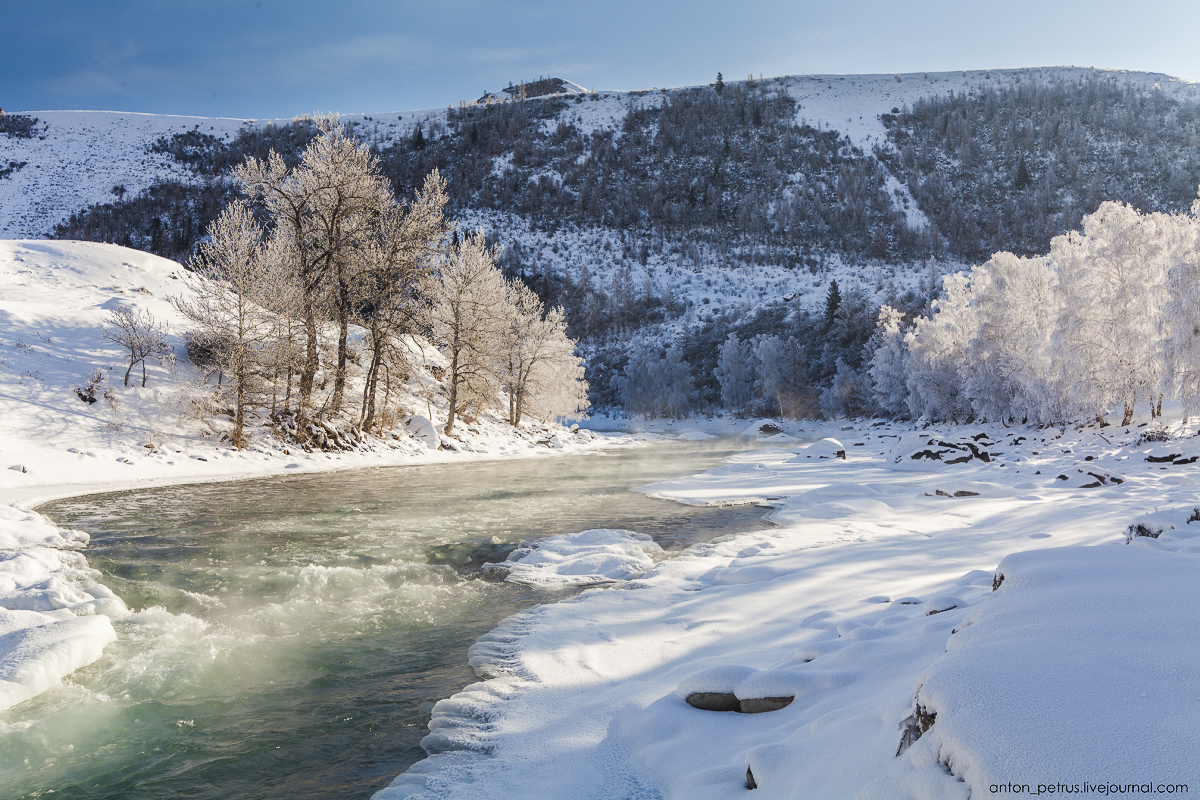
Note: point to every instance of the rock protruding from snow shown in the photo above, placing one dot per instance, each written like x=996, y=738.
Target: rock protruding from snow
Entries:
x=1087, y=479
x=945, y=450
x=595, y=556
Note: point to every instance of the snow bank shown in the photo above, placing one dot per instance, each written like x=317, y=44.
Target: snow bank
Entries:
x=54, y=616
x=580, y=559
x=1061, y=677
x=870, y=605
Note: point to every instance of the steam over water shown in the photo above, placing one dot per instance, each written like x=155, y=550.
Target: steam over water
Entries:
x=291, y=635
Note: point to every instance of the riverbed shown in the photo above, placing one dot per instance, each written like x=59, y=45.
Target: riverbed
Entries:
x=291, y=635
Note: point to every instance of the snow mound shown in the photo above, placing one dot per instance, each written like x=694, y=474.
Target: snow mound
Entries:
x=1046, y=681
x=54, y=616
x=21, y=529
x=424, y=431
x=589, y=557
x=763, y=427
x=826, y=448
x=37, y=650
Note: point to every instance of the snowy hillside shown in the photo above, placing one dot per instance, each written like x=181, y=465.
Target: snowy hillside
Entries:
x=682, y=215
x=54, y=298
x=76, y=158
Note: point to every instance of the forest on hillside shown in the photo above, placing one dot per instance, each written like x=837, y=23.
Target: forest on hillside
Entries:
x=731, y=175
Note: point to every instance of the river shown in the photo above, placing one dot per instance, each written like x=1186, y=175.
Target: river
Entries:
x=291, y=635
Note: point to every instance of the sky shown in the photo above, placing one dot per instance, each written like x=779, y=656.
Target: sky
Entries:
x=280, y=58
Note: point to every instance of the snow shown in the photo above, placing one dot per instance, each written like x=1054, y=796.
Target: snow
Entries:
x=1045, y=648
x=54, y=296
x=54, y=616
x=581, y=559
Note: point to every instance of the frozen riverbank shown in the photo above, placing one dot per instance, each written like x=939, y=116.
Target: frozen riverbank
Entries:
x=917, y=657
x=54, y=299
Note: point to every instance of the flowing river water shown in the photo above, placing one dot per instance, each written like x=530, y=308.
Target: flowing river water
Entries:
x=291, y=635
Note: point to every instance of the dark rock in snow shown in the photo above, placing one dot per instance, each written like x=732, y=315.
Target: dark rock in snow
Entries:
x=714, y=701
x=760, y=705
x=950, y=451
x=914, y=726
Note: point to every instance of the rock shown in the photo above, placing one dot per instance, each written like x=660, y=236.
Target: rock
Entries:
x=952, y=451
x=1148, y=530
x=714, y=701
x=1162, y=455
x=1089, y=479
x=760, y=705
x=943, y=603
x=914, y=726
x=750, y=782
x=964, y=493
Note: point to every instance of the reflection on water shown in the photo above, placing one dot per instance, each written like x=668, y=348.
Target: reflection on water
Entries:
x=291, y=635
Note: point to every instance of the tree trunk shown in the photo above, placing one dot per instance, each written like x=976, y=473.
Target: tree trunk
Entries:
x=1128, y=415
x=308, y=371
x=143, y=373
x=369, y=388
x=453, y=393
x=131, y=363
x=239, y=423
x=343, y=312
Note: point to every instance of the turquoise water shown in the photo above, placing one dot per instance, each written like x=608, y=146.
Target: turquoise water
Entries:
x=291, y=635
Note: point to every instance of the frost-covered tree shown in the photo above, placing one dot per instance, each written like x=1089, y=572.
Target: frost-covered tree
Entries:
x=536, y=362
x=937, y=348
x=392, y=284
x=656, y=384
x=1007, y=370
x=467, y=318
x=773, y=362
x=849, y=395
x=887, y=368
x=735, y=371
x=326, y=207
x=1113, y=286
x=231, y=288
x=138, y=334
x=1181, y=313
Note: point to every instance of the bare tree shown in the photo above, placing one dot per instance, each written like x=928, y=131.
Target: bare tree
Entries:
x=326, y=207
x=394, y=283
x=232, y=288
x=466, y=317
x=138, y=334
x=536, y=361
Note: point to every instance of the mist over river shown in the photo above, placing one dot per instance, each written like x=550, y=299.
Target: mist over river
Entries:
x=291, y=635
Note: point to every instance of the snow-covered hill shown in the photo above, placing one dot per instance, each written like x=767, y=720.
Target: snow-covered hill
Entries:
x=54, y=298
x=680, y=215
x=76, y=158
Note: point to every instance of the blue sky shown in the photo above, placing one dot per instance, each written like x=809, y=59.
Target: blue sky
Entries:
x=278, y=58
